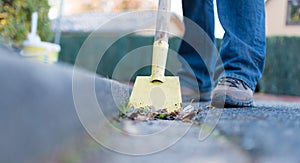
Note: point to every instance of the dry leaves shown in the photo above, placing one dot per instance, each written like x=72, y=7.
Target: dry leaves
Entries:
x=187, y=114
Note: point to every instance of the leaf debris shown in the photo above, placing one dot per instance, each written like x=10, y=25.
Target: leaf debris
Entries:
x=186, y=114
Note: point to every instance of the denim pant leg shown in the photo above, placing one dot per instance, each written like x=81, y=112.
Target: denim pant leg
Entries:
x=201, y=12
x=244, y=42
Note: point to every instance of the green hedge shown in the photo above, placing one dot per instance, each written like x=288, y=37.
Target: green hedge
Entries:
x=71, y=44
x=282, y=68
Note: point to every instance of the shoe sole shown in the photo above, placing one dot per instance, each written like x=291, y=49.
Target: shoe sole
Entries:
x=227, y=102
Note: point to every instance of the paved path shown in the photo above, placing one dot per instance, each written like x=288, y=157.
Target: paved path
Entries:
x=267, y=132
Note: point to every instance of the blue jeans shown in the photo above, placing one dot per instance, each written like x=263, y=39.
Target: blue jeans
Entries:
x=242, y=50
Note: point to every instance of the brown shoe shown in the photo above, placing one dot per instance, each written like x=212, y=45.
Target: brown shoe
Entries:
x=232, y=92
x=189, y=95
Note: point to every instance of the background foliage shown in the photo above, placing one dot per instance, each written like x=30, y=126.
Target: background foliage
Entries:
x=15, y=18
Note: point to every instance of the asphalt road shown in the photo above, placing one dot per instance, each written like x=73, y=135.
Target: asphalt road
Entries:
x=268, y=132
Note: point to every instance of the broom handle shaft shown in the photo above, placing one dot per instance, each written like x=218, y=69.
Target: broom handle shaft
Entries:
x=161, y=46
x=34, y=23
x=163, y=20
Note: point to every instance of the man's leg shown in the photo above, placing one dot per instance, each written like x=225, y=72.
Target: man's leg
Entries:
x=242, y=50
x=200, y=12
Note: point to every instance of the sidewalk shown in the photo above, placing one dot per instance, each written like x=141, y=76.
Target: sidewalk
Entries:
x=267, y=132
